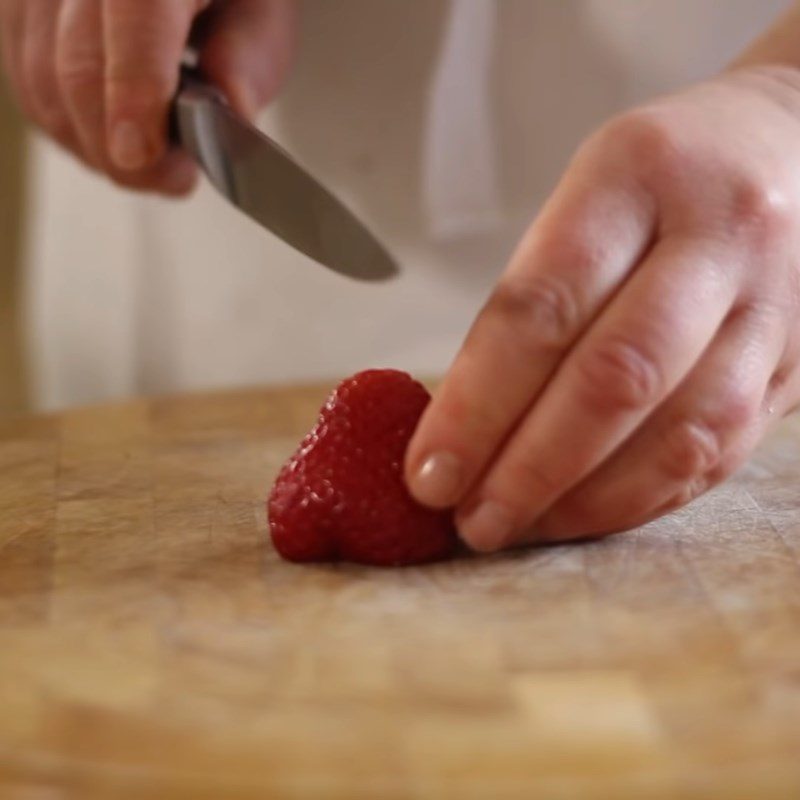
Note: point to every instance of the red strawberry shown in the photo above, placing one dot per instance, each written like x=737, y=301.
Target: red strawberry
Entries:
x=341, y=496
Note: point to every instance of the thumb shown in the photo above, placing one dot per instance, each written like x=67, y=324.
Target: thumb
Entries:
x=246, y=49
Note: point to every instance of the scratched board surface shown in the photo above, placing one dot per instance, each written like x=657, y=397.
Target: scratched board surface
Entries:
x=153, y=645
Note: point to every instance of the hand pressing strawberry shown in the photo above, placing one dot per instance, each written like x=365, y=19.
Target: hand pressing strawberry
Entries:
x=341, y=496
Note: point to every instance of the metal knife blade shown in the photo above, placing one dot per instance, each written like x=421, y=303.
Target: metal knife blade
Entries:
x=264, y=182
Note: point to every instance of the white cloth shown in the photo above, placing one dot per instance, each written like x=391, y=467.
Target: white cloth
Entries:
x=444, y=125
x=459, y=202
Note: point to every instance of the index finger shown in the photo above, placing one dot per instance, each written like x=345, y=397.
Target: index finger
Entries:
x=589, y=237
x=144, y=44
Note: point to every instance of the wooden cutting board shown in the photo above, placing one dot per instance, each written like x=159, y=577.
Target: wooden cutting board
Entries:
x=153, y=645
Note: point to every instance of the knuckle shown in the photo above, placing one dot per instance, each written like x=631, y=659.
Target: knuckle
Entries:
x=690, y=448
x=583, y=255
x=540, y=312
x=766, y=314
x=778, y=383
x=649, y=138
x=455, y=408
x=760, y=207
x=619, y=375
x=709, y=446
x=737, y=410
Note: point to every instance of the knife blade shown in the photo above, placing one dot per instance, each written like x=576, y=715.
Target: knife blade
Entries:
x=261, y=179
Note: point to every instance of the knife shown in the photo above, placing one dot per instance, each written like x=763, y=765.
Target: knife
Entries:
x=261, y=179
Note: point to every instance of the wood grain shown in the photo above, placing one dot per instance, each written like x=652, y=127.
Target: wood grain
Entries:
x=152, y=645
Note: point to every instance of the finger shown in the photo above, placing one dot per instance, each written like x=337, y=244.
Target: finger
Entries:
x=246, y=49
x=575, y=257
x=175, y=175
x=144, y=45
x=39, y=65
x=632, y=358
x=694, y=441
x=79, y=63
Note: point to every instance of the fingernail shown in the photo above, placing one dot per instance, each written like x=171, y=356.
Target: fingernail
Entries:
x=128, y=147
x=489, y=528
x=437, y=482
